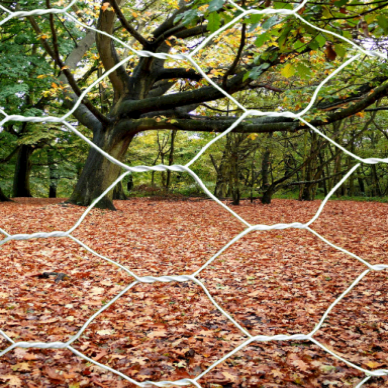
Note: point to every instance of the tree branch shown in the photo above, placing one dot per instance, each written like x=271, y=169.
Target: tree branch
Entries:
x=10, y=156
x=70, y=79
x=359, y=106
x=261, y=125
x=127, y=26
x=178, y=73
x=119, y=78
x=237, y=58
x=168, y=23
x=209, y=93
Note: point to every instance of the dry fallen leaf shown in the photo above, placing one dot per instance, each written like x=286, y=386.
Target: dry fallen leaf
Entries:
x=53, y=374
x=13, y=381
x=104, y=332
x=157, y=333
x=97, y=290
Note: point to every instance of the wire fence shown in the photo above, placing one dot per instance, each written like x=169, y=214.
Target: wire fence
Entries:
x=186, y=169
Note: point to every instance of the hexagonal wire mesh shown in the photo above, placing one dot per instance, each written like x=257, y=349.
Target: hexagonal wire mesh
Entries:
x=186, y=168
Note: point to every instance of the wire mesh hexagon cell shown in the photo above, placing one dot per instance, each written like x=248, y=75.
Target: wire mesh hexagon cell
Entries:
x=186, y=168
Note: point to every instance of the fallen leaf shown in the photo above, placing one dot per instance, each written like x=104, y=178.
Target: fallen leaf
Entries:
x=13, y=381
x=97, y=290
x=53, y=374
x=157, y=333
x=104, y=332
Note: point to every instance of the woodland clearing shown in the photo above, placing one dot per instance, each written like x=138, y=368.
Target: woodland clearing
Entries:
x=271, y=282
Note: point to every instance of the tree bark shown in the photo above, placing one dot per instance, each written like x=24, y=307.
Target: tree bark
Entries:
x=266, y=198
x=219, y=189
x=3, y=197
x=171, y=158
x=21, y=181
x=361, y=184
x=308, y=190
x=53, y=171
x=99, y=173
x=118, y=192
x=265, y=166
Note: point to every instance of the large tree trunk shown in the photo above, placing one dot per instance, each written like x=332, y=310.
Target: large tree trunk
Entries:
x=220, y=187
x=265, y=169
x=171, y=158
x=118, y=192
x=3, y=197
x=53, y=172
x=99, y=173
x=307, y=192
x=267, y=197
x=21, y=181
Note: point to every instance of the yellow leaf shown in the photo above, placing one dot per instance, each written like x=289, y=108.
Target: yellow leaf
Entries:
x=288, y=71
x=41, y=76
x=373, y=364
x=23, y=366
x=252, y=136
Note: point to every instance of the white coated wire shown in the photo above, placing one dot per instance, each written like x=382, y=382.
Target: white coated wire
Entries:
x=179, y=168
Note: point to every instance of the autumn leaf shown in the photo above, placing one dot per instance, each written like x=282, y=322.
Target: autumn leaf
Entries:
x=374, y=365
x=301, y=365
x=97, y=290
x=276, y=373
x=22, y=366
x=100, y=355
x=53, y=374
x=104, y=332
x=229, y=376
x=288, y=70
x=20, y=352
x=157, y=333
x=331, y=55
x=105, y=6
x=13, y=381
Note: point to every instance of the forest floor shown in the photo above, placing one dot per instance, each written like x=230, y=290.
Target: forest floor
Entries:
x=271, y=282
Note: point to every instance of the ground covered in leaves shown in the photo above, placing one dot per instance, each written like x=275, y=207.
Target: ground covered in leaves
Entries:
x=278, y=282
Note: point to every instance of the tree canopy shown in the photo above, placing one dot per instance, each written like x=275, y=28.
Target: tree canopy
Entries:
x=267, y=61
